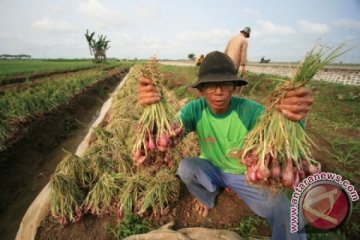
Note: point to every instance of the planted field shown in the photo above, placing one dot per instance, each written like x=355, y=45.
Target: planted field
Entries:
x=36, y=117
x=20, y=70
x=23, y=102
x=333, y=124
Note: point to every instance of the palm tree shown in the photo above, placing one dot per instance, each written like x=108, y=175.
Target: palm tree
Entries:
x=89, y=38
x=97, y=47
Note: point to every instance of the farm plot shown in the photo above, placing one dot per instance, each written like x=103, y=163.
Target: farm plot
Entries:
x=21, y=103
x=336, y=130
x=12, y=71
x=34, y=140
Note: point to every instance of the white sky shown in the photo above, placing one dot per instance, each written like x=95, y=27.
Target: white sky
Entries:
x=283, y=30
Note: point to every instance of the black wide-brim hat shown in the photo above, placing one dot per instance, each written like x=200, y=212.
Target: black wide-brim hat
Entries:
x=217, y=67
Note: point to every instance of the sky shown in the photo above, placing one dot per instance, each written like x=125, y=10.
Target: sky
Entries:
x=282, y=30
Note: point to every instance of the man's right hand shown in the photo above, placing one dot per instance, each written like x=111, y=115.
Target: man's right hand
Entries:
x=147, y=92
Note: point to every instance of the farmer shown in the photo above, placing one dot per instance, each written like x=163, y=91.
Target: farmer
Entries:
x=236, y=49
x=221, y=122
x=199, y=60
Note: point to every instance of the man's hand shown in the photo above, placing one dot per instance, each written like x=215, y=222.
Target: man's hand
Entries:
x=147, y=92
x=296, y=104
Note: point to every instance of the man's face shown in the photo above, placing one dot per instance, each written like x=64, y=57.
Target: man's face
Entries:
x=217, y=95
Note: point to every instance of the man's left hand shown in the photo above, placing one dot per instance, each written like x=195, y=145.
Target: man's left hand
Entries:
x=296, y=103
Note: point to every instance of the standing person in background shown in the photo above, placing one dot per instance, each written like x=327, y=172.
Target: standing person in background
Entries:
x=236, y=49
x=199, y=60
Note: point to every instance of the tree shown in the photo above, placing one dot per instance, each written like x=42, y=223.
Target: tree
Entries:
x=97, y=47
x=17, y=56
x=191, y=56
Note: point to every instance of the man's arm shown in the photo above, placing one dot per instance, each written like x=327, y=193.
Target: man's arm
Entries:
x=227, y=48
x=243, y=58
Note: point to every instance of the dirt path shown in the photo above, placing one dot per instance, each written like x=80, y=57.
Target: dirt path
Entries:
x=27, y=165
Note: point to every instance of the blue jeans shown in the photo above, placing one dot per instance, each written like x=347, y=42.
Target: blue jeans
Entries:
x=203, y=181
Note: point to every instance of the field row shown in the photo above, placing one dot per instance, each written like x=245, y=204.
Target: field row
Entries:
x=20, y=70
x=22, y=103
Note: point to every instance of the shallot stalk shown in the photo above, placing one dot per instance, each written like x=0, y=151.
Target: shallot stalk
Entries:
x=159, y=127
x=65, y=198
x=285, y=141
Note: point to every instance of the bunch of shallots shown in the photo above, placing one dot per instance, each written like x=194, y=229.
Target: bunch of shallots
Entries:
x=159, y=127
x=277, y=151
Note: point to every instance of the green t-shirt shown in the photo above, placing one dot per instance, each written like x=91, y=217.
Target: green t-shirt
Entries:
x=221, y=134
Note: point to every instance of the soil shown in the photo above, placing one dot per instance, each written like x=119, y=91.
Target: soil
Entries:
x=35, y=151
x=227, y=213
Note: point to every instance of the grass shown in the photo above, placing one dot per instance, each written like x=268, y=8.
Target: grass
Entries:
x=346, y=154
x=342, y=99
x=131, y=225
x=249, y=225
x=335, y=234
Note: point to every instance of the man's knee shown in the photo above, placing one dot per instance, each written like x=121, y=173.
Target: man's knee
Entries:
x=281, y=206
x=186, y=169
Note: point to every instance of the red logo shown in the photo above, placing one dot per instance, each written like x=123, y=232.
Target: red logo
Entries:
x=325, y=205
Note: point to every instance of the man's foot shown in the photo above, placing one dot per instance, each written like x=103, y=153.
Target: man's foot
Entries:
x=201, y=208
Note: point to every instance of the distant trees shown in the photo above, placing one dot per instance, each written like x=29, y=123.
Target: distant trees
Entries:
x=191, y=56
x=97, y=47
x=16, y=56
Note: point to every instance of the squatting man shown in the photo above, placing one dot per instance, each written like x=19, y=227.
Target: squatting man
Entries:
x=221, y=122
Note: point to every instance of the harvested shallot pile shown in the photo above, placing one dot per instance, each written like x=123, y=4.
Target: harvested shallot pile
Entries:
x=159, y=127
x=102, y=180
x=277, y=151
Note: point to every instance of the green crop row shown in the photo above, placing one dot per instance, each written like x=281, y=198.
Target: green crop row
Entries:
x=20, y=105
x=11, y=68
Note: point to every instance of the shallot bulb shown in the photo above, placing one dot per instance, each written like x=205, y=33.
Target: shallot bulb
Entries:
x=151, y=143
x=251, y=174
x=263, y=173
x=163, y=140
x=287, y=174
x=275, y=169
x=314, y=169
x=297, y=178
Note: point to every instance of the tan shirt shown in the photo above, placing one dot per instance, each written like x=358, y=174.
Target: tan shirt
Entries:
x=236, y=49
